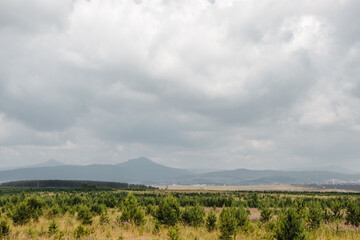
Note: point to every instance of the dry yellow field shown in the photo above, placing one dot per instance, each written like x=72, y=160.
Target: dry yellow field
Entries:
x=279, y=187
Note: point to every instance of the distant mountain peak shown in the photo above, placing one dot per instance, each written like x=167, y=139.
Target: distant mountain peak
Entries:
x=139, y=161
x=48, y=163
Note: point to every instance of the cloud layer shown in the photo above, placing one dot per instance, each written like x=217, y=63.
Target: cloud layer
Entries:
x=212, y=84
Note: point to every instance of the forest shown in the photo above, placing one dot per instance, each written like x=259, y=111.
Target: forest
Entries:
x=107, y=213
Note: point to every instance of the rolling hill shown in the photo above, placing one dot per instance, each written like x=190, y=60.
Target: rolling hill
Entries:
x=256, y=177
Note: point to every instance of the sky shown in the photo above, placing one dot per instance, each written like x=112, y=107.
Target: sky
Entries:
x=224, y=84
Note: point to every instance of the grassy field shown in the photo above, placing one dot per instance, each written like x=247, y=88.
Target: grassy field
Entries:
x=67, y=225
x=176, y=214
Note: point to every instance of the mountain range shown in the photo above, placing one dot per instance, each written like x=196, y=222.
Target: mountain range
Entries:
x=145, y=171
x=49, y=163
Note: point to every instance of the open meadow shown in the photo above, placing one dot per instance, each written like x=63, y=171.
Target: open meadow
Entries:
x=102, y=213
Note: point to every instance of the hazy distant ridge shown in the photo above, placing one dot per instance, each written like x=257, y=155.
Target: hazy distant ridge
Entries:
x=144, y=171
x=140, y=170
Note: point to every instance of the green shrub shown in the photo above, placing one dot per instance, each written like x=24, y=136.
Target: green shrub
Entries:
x=150, y=209
x=54, y=210
x=253, y=200
x=26, y=210
x=34, y=206
x=4, y=229
x=104, y=219
x=228, y=224
x=194, y=216
x=168, y=212
x=291, y=226
x=328, y=215
x=316, y=214
x=211, y=221
x=53, y=227
x=265, y=214
x=131, y=211
x=84, y=215
x=156, y=229
x=81, y=231
x=300, y=207
x=336, y=207
x=173, y=233
x=98, y=209
x=20, y=214
x=353, y=213
x=242, y=218
x=139, y=217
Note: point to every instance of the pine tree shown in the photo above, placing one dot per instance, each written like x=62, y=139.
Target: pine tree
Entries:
x=291, y=227
x=228, y=224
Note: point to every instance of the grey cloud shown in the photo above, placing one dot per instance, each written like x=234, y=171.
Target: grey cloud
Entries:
x=189, y=84
x=29, y=17
x=324, y=146
x=41, y=100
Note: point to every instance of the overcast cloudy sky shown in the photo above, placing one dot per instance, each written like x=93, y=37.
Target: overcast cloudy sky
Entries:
x=266, y=84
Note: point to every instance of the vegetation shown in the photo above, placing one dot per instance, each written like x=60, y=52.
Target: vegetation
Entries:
x=4, y=229
x=291, y=226
x=228, y=224
x=70, y=184
x=131, y=211
x=211, y=221
x=194, y=216
x=104, y=213
x=168, y=211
